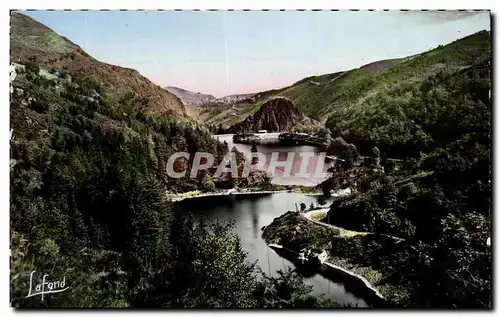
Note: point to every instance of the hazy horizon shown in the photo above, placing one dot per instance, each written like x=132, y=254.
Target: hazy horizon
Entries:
x=223, y=53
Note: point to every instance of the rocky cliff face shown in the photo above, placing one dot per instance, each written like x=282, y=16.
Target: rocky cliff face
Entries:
x=31, y=41
x=275, y=115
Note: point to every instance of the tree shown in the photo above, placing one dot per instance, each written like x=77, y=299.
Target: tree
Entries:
x=338, y=145
x=376, y=153
x=208, y=183
x=350, y=156
x=324, y=133
x=326, y=187
x=288, y=291
x=32, y=71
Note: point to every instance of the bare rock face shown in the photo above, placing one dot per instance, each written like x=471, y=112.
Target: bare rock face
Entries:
x=275, y=115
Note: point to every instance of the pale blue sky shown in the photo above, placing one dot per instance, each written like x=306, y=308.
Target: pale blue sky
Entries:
x=225, y=53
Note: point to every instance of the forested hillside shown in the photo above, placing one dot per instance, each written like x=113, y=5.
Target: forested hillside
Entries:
x=433, y=113
x=88, y=203
x=364, y=100
x=415, y=105
x=31, y=41
x=88, y=186
x=420, y=226
x=361, y=92
x=438, y=198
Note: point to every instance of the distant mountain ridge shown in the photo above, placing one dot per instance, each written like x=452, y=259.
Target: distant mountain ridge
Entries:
x=189, y=98
x=236, y=98
x=31, y=41
x=337, y=95
x=322, y=96
x=232, y=109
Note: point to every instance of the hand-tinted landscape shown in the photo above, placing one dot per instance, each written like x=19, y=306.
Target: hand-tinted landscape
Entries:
x=402, y=220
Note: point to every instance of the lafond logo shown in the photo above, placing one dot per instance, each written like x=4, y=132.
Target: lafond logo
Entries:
x=252, y=161
x=46, y=286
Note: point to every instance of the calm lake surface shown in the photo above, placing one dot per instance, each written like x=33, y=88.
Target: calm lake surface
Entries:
x=250, y=213
x=284, y=152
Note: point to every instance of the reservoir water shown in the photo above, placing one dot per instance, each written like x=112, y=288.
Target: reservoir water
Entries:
x=250, y=213
x=315, y=162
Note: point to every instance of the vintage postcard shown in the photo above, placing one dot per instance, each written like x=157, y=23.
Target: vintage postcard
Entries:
x=292, y=159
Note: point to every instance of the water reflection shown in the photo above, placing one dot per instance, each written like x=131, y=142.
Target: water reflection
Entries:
x=255, y=220
x=283, y=152
x=250, y=213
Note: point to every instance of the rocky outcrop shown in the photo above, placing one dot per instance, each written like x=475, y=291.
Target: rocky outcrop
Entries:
x=275, y=115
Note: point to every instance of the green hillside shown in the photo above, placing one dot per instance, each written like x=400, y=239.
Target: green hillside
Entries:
x=434, y=112
x=403, y=108
x=352, y=89
x=87, y=202
x=344, y=97
x=439, y=200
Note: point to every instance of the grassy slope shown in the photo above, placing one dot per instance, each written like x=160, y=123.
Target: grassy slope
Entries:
x=354, y=87
x=394, y=107
x=87, y=202
x=354, y=94
x=31, y=41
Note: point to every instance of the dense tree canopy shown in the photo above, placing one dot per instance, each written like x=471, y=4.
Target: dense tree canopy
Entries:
x=439, y=200
x=88, y=202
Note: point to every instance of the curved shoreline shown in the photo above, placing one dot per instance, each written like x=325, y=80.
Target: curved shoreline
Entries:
x=233, y=191
x=324, y=211
x=318, y=260
x=180, y=197
x=353, y=283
